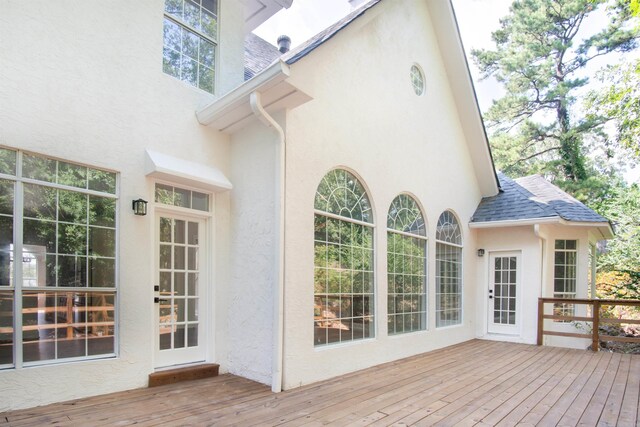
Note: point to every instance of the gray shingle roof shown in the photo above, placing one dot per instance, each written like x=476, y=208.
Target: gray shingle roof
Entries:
x=532, y=197
x=258, y=55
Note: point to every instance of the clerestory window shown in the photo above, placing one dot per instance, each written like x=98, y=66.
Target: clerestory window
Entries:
x=190, y=41
x=343, y=273
x=57, y=260
x=406, y=267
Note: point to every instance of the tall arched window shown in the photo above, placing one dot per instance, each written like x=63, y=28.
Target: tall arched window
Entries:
x=406, y=266
x=448, y=271
x=343, y=282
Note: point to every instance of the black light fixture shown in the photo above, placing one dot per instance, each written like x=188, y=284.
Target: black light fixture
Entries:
x=481, y=252
x=139, y=207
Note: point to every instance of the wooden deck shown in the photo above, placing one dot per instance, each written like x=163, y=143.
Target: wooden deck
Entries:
x=475, y=383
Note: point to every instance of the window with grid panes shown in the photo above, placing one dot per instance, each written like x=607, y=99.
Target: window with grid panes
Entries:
x=343, y=273
x=406, y=267
x=448, y=271
x=565, y=274
x=190, y=41
x=58, y=276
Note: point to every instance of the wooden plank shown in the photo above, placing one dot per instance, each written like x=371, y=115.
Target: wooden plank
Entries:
x=597, y=402
x=613, y=405
x=190, y=373
x=366, y=386
x=629, y=409
x=534, y=392
x=559, y=408
x=473, y=383
x=573, y=414
x=495, y=390
x=560, y=382
x=425, y=393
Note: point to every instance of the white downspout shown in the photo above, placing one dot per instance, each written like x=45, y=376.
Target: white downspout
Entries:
x=279, y=205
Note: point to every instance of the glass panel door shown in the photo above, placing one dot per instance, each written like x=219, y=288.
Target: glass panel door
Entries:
x=178, y=304
x=504, y=293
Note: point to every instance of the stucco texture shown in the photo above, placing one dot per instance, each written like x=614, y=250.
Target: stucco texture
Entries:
x=365, y=117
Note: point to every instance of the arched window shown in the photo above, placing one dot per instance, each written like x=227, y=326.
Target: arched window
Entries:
x=448, y=271
x=406, y=266
x=343, y=276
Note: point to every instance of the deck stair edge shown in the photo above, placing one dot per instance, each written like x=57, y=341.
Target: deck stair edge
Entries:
x=188, y=373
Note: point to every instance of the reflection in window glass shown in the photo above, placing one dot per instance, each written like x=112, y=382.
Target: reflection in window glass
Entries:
x=565, y=275
x=68, y=249
x=406, y=267
x=190, y=34
x=343, y=277
x=7, y=161
x=181, y=197
x=448, y=271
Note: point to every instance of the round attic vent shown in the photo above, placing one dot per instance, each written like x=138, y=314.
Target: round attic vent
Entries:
x=417, y=79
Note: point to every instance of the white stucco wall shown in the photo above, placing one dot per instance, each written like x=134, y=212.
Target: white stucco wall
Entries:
x=366, y=117
x=83, y=81
x=252, y=255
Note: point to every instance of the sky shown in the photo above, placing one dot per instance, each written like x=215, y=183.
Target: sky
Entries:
x=476, y=20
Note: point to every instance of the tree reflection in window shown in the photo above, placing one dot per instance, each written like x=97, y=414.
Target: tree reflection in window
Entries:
x=67, y=263
x=406, y=266
x=343, y=279
x=448, y=271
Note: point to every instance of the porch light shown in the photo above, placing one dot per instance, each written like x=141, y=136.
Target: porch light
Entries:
x=480, y=252
x=139, y=207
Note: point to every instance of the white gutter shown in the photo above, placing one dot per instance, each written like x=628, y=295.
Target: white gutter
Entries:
x=279, y=205
x=516, y=222
x=267, y=78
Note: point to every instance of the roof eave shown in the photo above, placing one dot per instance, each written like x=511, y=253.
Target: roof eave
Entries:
x=604, y=227
x=453, y=53
x=232, y=111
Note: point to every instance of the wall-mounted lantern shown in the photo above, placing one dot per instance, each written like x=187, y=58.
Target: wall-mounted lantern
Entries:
x=139, y=207
x=480, y=252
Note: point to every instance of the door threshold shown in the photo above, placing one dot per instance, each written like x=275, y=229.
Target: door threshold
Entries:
x=183, y=373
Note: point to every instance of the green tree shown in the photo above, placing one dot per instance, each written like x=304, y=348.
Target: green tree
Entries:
x=623, y=209
x=619, y=99
x=540, y=55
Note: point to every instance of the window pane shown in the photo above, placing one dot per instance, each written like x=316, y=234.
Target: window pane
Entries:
x=173, y=7
x=7, y=161
x=72, y=207
x=6, y=328
x=200, y=201
x=206, y=79
x=102, y=273
x=37, y=167
x=171, y=62
x=102, y=211
x=39, y=234
x=209, y=24
x=59, y=325
x=40, y=202
x=102, y=242
x=6, y=197
x=102, y=181
x=72, y=175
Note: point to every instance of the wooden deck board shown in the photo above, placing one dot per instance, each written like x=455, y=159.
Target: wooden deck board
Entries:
x=479, y=383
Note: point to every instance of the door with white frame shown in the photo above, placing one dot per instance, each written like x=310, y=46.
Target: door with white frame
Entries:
x=180, y=290
x=504, y=294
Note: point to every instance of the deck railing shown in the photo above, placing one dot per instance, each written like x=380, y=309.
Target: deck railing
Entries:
x=596, y=319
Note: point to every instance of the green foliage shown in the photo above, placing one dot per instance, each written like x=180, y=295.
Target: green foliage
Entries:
x=541, y=49
x=619, y=101
x=622, y=208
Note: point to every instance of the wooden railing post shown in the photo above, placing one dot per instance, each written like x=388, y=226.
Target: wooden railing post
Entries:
x=596, y=326
x=540, y=319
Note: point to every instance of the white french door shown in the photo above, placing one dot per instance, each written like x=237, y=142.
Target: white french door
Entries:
x=179, y=302
x=504, y=293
